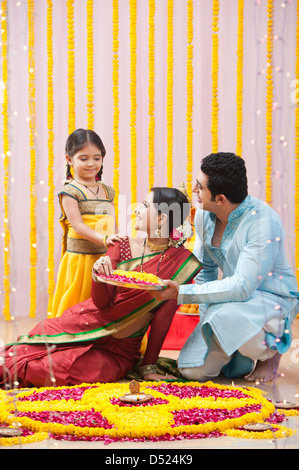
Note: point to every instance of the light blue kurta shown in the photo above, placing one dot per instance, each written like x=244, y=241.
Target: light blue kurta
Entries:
x=257, y=285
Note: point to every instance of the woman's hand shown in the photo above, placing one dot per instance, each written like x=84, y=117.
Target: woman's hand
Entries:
x=103, y=266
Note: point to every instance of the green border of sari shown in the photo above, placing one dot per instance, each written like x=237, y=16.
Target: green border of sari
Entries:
x=186, y=271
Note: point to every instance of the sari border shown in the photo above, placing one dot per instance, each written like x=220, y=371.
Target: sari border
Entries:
x=84, y=247
x=134, y=262
x=108, y=329
x=188, y=269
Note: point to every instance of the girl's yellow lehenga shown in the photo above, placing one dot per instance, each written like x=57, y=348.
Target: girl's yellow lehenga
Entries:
x=78, y=255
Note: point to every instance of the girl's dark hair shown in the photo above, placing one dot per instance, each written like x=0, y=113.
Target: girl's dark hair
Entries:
x=174, y=203
x=79, y=139
x=226, y=175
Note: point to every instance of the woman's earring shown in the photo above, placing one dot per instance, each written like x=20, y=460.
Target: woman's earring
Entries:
x=158, y=231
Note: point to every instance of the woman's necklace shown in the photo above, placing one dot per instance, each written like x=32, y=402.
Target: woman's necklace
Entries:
x=161, y=257
x=154, y=247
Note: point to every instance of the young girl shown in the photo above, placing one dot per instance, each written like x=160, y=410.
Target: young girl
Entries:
x=87, y=219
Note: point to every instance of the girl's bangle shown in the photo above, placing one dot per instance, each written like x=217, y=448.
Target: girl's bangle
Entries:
x=105, y=241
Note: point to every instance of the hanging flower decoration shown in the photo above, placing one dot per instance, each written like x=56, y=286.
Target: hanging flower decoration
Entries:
x=269, y=101
x=151, y=93
x=115, y=91
x=90, y=71
x=215, y=67
x=239, y=98
x=180, y=235
x=189, y=113
x=32, y=133
x=176, y=410
x=297, y=153
x=6, y=153
x=50, y=123
x=169, y=94
x=71, y=65
x=133, y=95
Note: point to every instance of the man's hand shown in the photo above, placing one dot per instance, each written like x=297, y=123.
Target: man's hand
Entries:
x=171, y=291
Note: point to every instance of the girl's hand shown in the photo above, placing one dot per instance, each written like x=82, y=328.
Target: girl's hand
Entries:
x=111, y=239
x=103, y=266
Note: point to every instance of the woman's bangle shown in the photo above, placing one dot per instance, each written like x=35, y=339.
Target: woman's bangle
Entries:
x=105, y=241
x=148, y=369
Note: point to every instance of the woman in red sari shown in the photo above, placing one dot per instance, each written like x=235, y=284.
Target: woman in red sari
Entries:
x=99, y=339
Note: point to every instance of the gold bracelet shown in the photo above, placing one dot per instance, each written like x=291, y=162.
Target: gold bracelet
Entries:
x=104, y=241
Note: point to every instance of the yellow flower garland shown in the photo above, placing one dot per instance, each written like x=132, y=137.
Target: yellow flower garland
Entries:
x=14, y=441
x=282, y=431
x=151, y=93
x=90, y=72
x=297, y=153
x=189, y=112
x=133, y=113
x=269, y=102
x=50, y=123
x=32, y=132
x=115, y=46
x=71, y=65
x=5, y=114
x=138, y=422
x=215, y=67
x=239, y=97
x=169, y=93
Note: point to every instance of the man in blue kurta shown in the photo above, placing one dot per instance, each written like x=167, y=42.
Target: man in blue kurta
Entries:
x=247, y=290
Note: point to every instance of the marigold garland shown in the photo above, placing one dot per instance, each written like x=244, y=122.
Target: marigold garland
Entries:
x=28, y=438
x=177, y=410
x=71, y=65
x=297, y=153
x=279, y=432
x=189, y=113
x=269, y=101
x=239, y=92
x=90, y=71
x=151, y=92
x=50, y=123
x=133, y=112
x=115, y=91
x=215, y=67
x=32, y=132
x=6, y=151
x=169, y=94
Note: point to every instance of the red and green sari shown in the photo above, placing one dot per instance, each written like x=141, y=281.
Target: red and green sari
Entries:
x=80, y=346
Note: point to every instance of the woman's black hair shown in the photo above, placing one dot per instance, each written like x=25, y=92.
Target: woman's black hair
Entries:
x=79, y=139
x=172, y=202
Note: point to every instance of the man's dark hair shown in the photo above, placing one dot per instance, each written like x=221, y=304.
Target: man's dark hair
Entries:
x=226, y=175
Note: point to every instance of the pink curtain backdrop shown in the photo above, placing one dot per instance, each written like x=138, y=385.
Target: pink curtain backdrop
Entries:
x=254, y=107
